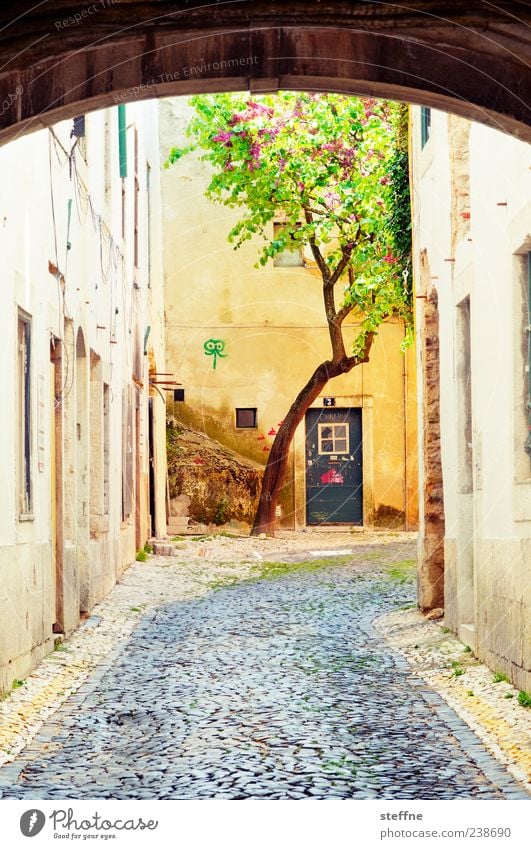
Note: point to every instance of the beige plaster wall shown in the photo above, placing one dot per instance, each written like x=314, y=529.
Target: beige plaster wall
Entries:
x=272, y=324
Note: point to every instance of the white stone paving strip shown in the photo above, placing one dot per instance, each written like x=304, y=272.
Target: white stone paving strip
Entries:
x=489, y=707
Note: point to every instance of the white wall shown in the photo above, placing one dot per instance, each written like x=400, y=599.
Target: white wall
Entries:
x=487, y=554
x=100, y=291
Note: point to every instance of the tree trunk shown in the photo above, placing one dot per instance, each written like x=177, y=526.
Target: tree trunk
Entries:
x=275, y=470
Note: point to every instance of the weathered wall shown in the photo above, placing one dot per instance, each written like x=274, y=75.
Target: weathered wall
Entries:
x=272, y=325
x=73, y=276
x=472, y=189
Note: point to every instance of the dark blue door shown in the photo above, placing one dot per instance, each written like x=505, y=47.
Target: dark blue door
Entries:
x=334, y=467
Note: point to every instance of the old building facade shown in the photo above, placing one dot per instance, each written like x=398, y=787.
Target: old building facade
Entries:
x=82, y=434
x=472, y=251
x=244, y=340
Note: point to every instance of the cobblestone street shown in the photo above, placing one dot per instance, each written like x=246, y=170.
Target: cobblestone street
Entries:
x=275, y=686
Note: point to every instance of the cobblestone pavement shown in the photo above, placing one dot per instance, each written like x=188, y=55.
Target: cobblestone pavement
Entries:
x=277, y=687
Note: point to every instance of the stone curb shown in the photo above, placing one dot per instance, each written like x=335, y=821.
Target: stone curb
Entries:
x=485, y=720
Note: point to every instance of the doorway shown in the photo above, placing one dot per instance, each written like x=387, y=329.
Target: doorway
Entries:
x=56, y=485
x=334, y=472
x=465, y=566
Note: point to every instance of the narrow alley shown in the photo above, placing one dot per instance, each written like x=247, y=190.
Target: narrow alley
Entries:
x=252, y=673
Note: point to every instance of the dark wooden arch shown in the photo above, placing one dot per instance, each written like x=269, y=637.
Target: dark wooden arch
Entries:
x=58, y=58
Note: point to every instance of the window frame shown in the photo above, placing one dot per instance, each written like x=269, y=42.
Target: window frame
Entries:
x=252, y=410
x=425, y=125
x=286, y=251
x=521, y=494
x=527, y=445
x=25, y=418
x=106, y=403
x=334, y=438
x=136, y=201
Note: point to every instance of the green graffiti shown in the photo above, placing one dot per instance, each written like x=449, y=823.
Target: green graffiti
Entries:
x=214, y=348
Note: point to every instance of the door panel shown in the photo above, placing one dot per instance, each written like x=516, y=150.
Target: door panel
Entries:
x=334, y=474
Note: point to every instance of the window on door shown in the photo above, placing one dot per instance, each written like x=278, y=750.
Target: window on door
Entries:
x=333, y=438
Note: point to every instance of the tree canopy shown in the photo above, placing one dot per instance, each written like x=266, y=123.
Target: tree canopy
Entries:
x=330, y=168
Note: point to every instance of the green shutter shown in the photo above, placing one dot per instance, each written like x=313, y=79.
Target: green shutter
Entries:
x=122, y=139
x=425, y=124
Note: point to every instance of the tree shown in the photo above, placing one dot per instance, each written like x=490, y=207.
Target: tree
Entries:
x=331, y=167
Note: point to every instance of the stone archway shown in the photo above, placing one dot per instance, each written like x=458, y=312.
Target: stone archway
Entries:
x=59, y=59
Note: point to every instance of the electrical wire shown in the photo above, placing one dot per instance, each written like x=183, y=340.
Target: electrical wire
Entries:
x=112, y=261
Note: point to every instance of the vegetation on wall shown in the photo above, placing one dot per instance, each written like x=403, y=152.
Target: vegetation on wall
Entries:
x=330, y=169
x=400, y=223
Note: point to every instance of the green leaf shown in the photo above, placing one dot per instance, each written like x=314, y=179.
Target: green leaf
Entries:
x=341, y=160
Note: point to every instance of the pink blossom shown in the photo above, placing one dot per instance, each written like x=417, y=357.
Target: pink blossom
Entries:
x=389, y=258
x=368, y=104
x=254, y=162
x=333, y=199
x=255, y=108
x=223, y=138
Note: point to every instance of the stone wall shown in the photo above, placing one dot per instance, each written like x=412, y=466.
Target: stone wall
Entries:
x=431, y=541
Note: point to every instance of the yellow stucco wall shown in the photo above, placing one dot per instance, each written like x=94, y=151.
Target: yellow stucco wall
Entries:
x=271, y=321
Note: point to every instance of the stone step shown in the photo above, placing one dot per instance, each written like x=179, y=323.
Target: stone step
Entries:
x=177, y=526
x=166, y=549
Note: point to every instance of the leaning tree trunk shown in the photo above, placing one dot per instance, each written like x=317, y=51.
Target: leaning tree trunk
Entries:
x=275, y=470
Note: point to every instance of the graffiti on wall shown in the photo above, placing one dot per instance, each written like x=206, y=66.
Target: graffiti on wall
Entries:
x=214, y=348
